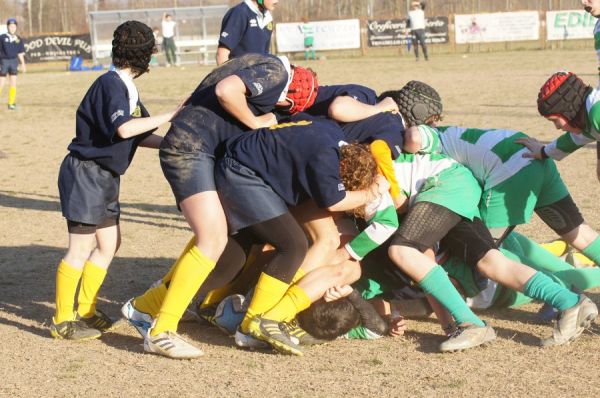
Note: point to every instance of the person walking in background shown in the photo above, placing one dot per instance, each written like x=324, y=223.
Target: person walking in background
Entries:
x=246, y=28
x=593, y=7
x=168, y=42
x=12, y=51
x=308, y=31
x=416, y=23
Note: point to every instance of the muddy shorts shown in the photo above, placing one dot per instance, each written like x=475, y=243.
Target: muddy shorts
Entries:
x=188, y=169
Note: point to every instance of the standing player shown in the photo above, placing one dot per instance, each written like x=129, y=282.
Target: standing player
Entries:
x=111, y=123
x=12, y=51
x=246, y=28
x=308, y=31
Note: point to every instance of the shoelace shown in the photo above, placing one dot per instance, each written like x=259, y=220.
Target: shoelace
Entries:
x=289, y=327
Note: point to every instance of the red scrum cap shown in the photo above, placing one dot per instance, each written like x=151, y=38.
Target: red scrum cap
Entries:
x=302, y=90
x=563, y=94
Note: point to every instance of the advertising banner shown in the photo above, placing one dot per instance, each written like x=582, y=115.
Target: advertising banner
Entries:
x=57, y=47
x=501, y=26
x=569, y=24
x=329, y=35
x=393, y=32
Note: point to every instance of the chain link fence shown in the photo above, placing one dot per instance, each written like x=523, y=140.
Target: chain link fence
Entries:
x=44, y=16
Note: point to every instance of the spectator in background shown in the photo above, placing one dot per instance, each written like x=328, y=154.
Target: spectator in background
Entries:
x=416, y=23
x=12, y=51
x=168, y=34
x=246, y=28
x=308, y=31
x=593, y=7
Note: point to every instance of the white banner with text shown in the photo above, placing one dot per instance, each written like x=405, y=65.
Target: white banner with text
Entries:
x=329, y=35
x=495, y=27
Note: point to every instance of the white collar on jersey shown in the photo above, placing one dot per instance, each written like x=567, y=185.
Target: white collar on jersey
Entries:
x=262, y=19
x=131, y=89
x=288, y=68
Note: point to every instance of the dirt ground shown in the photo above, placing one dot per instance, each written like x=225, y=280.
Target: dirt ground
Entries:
x=479, y=90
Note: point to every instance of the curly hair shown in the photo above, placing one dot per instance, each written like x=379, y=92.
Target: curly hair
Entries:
x=358, y=170
x=132, y=47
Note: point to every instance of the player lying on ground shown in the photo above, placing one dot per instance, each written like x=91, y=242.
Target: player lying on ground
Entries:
x=329, y=319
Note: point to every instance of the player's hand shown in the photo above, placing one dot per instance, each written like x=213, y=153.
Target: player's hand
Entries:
x=534, y=146
x=337, y=292
x=397, y=327
x=387, y=104
x=379, y=188
x=266, y=120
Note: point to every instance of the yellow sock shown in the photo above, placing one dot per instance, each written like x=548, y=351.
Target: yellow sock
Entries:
x=192, y=271
x=241, y=283
x=298, y=275
x=294, y=301
x=268, y=292
x=12, y=95
x=217, y=295
x=151, y=301
x=91, y=281
x=67, y=279
x=188, y=247
x=557, y=247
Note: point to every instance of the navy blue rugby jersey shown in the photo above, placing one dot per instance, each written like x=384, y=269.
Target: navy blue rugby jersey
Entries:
x=326, y=95
x=104, y=108
x=298, y=160
x=265, y=80
x=386, y=126
x=10, y=46
x=243, y=31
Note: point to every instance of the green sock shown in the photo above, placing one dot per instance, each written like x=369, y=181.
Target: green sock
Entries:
x=592, y=251
x=437, y=284
x=541, y=287
x=532, y=254
x=580, y=278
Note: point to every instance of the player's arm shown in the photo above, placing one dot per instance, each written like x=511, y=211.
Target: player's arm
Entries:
x=422, y=139
x=222, y=54
x=382, y=224
x=153, y=141
x=231, y=93
x=141, y=125
x=557, y=149
x=385, y=165
x=354, y=199
x=22, y=61
x=346, y=109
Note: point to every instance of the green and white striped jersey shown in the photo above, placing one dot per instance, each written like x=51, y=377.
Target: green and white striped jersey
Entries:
x=413, y=170
x=569, y=142
x=491, y=154
x=383, y=222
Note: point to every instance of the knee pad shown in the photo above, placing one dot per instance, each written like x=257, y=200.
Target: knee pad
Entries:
x=562, y=216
